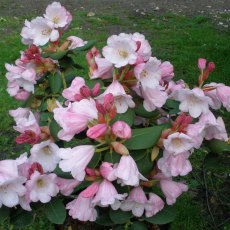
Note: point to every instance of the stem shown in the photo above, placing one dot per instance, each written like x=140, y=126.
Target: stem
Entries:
x=102, y=149
x=123, y=73
x=63, y=80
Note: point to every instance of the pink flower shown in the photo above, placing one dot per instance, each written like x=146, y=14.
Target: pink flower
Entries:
x=166, y=71
x=171, y=189
x=22, y=95
x=38, y=32
x=195, y=131
x=201, y=63
x=11, y=190
x=127, y=172
x=45, y=154
x=223, y=93
x=178, y=143
x=121, y=130
x=174, y=86
x=135, y=202
x=153, y=205
x=82, y=209
x=75, y=117
x=8, y=170
x=154, y=98
x=97, y=131
x=91, y=190
x=143, y=47
x=75, y=42
x=42, y=187
x=76, y=84
x=107, y=195
x=57, y=15
x=66, y=186
x=107, y=171
x=193, y=101
x=175, y=165
x=75, y=160
x=120, y=50
x=122, y=100
x=149, y=73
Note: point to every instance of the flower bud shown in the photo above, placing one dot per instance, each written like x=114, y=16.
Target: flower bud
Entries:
x=96, y=131
x=121, y=130
x=211, y=66
x=201, y=63
x=120, y=148
x=108, y=101
x=85, y=91
x=96, y=90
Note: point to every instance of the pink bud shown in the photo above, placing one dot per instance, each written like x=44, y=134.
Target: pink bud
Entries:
x=90, y=172
x=100, y=108
x=108, y=101
x=211, y=66
x=78, y=97
x=201, y=63
x=107, y=171
x=91, y=190
x=122, y=130
x=85, y=91
x=96, y=90
x=120, y=148
x=96, y=131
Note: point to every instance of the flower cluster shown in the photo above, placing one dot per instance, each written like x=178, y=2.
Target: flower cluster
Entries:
x=118, y=132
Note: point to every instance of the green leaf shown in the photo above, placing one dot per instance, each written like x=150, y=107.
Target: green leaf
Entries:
x=217, y=146
x=55, y=82
x=60, y=173
x=21, y=218
x=92, y=82
x=55, y=55
x=172, y=106
x=4, y=213
x=140, y=111
x=137, y=225
x=145, y=137
x=112, y=157
x=81, y=186
x=145, y=165
x=167, y=215
x=119, y=217
x=70, y=74
x=127, y=117
x=138, y=154
x=54, y=129
x=104, y=220
x=55, y=211
x=86, y=47
x=95, y=160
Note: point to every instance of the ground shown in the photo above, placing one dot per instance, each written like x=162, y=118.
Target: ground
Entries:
x=179, y=31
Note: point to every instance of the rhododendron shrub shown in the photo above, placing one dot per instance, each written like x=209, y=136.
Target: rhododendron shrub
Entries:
x=106, y=145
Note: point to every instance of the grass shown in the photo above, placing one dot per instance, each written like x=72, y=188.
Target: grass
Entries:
x=179, y=39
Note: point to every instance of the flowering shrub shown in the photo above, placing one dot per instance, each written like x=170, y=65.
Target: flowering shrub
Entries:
x=104, y=146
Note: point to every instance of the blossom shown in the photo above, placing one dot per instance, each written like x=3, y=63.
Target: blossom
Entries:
x=8, y=171
x=120, y=50
x=174, y=165
x=75, y=117
x=154, y=98
x=178, y=143
x=11, y=190
x=149, y=73
x=75, y=42
x=75, y=160
x=57, y=15
x=39, y=32
x=41, y=187
x=135, y=202
x=97, y=131
x=223, y=93
x=143, y=47
x=122, y=100
x=107, y=194
x=193, y=101
x=171, y=189
x=127, y=172
x=121, y=130
x=201, y=63
x=107, y=171
x=66, y=186
x=70, y=92
x=45, y=153
x=166, y=71
x=153, y=205
x=82, y=209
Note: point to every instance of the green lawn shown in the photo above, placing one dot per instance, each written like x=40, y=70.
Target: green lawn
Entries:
x=180, y=40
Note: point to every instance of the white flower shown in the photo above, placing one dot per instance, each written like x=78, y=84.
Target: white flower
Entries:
x=75, y=160
x=42, y=187
x=120, y=50
x=178, y=143
x=45, y=153
x=193, y=101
